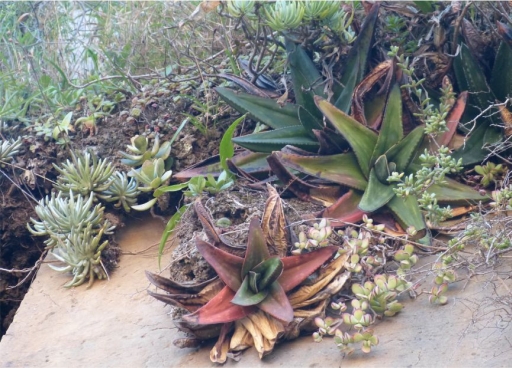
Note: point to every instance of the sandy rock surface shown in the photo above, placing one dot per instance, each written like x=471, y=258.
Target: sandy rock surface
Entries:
x=116, y=324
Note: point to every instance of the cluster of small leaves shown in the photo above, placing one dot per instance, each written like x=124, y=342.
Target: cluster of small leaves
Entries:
x=74, y=228
x=151, y=177
x=316, y=236
x=140, y=152
x=122, y=191
x=490, y=173
x=286, y=15
x=84, y=174
x=87, y=174
x=502, y=199
x=98, y=107
x=371, y=298
x=396, y=28
x=357, y=319
x=444, y=276
x=59, y=215
x=199, y=184
x=435, y=118
x=406, y=259
x=8, y=149
x=358, y=244
x=433, y=171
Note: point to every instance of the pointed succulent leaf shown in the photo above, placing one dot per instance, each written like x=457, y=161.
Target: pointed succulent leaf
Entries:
x=245, y=296
x=342, y=168
x=475, y=148
x=298, y=268
x=346, y=209
x=141, y=143
x=452, y=120
x=276, y=139
x=309, y=121
x=219, y=310
x=305, y=78
x=470, y=77
x=164, y=151
x=227, y=266
x=404, y=152
x=277, y=303
x=269, y=271
x=257, y=250
x=171, y=188
x=501, y=78
x=156, y=146
x=264, y=110
x=346, y=95
x=408, y=213
x=376, y=195
x=356, y=60
x=451, y=191
x=382, y=169
x=361, y=139
x=391, y=131
x=251, y=162
x=145, y=206
x=253, y=278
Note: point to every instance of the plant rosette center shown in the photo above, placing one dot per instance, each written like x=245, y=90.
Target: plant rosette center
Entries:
x=258, y=282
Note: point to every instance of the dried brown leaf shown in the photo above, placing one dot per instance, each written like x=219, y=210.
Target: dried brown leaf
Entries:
x=274, y=224
x=325, y=276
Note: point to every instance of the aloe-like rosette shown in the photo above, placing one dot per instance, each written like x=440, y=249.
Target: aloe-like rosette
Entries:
x=374, y=157
x=255, y=282
x=140, y=152
x=84, y=174
x=60, y=215
x=122, y=191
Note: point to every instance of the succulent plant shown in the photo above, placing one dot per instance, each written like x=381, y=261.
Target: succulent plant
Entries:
x=84, y=174
x=81, y=251
x=284, y=14
x=59, y=216
x=238, y=8
x=375, y=157
x=483, y=93
x=197, y=185
x=320, y=10
x=153, y=176
x=8, y=149
x=250, y=291
x=257, y=281
x=490, y=173
x=122, y=190
x=140, y=151
x=300, y=123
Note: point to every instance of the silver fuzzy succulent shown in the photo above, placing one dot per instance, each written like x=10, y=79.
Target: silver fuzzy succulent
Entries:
x=84, y=174
x=122, y=190
x=8, y=149
x=81, y=251
x=60, y=216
